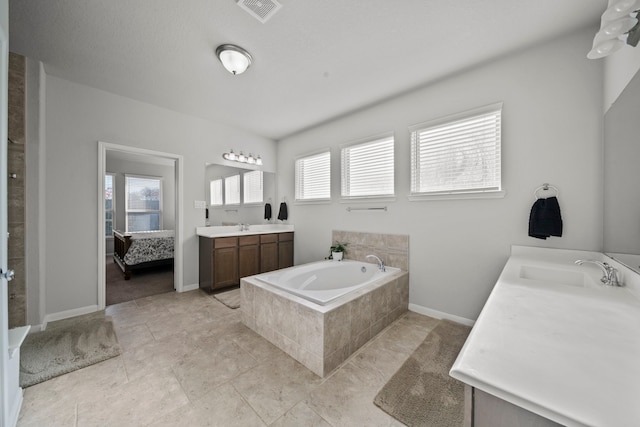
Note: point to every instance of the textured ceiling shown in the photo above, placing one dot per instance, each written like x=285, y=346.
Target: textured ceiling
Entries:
x=313, y=60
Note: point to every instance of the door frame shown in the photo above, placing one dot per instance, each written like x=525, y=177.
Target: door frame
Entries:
x=103, y=147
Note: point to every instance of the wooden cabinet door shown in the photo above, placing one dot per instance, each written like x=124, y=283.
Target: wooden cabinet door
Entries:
x=248, y=260
x=268, y=257
x=225, y=267
x=285, y=254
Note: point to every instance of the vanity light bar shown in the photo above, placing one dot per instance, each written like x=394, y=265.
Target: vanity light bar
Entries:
x=241, y=158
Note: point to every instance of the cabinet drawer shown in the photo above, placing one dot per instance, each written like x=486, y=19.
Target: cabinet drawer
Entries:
x=249, y=240
x=268, y=238
x=225, y=242
x=285, y=237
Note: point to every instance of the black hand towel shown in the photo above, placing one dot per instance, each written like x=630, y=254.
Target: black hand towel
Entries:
x=283, y=214
x=267, y=211
x=545, y=219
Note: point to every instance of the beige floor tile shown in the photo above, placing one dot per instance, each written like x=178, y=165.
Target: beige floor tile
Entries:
x=300, y=415
x=58, y=396
x=157, y=355
x=221, y=407
x=275, y=386
x=130, y=337
x=137, y=403
x=202, y=371
x=346, y=398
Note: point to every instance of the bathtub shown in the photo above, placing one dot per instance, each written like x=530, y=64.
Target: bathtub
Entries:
x=324, y=281
x=322, y=312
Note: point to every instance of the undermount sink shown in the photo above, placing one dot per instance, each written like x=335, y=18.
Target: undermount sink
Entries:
x=558, y=276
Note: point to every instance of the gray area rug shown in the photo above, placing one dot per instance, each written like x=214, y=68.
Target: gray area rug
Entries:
x=422, y=393
x=229, y=298
x=66, y=347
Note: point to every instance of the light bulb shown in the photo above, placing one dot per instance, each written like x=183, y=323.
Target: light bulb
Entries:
x=242, y=158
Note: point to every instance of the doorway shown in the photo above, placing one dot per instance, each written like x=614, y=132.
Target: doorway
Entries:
x=129, y=164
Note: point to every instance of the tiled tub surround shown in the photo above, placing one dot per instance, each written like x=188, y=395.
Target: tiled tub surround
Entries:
x=323, y=337
x=393, y=249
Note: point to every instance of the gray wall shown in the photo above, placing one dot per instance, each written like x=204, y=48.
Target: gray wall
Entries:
x=552, y=127
x=76, y=117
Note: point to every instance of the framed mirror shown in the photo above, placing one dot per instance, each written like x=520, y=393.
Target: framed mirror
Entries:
x=622, y=177
x=238, y=195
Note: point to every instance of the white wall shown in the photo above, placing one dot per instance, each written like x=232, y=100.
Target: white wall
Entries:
x=76, y=118
x=552, y=127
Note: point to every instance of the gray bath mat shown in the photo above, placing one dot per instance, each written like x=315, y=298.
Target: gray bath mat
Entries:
x=65, y=348
x=229, y=298
x=422, y=393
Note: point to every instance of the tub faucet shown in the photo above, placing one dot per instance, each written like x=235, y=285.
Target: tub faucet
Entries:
x=380, y=263
x=610, y=274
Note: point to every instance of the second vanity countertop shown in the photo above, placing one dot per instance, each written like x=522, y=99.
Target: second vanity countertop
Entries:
x=234, y=230
x=553, y=340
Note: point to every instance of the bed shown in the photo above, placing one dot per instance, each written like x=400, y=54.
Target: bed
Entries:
x=142, y=249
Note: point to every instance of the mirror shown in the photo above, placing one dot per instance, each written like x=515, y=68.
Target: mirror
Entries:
x=238, y=213
x=622, y=176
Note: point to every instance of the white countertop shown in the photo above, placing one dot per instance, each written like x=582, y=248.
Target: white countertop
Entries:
x=234, y=230
x=568, y=352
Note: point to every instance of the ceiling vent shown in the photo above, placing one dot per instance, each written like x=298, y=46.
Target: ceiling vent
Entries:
x=262, y=10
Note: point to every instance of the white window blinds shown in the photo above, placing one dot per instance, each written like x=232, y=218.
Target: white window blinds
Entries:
x=215, y=192
x=143, y=203
x=313, y=177
x=232, y=190
x=253, y=187
x=458, y=154
x=367, y=168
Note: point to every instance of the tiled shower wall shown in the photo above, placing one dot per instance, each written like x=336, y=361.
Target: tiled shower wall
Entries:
x=393, y=249
x=16, y=190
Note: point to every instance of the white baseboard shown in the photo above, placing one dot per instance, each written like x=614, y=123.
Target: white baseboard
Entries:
x=440, y=314
x=187, y=288
x=36, y=328
x=67, y=314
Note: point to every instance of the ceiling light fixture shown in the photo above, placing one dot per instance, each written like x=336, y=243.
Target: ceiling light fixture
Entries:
x=619, y=24
x=234, y=59
x=241, y=158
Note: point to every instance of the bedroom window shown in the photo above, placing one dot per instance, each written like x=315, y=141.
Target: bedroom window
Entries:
x=232, y=190
x=109, y=204
x=215, y=192
x=313, y=177
x=368, y=168
x=253, y=187
x=143, y=199
x=458, y=154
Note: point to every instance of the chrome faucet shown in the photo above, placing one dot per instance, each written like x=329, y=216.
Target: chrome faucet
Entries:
x=380, y=263
x=244, y=227
x=610, y=274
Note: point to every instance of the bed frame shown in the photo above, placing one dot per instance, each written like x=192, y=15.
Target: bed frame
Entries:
x=121, y=244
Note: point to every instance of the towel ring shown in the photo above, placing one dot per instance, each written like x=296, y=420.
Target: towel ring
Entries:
x=545, y=187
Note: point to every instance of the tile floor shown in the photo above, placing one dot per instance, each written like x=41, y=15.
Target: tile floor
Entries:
x=187, y=360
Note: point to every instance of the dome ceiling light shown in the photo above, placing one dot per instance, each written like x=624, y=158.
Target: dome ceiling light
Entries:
x=234, y=59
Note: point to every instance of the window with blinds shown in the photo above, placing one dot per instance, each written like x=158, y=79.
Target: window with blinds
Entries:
x=253, y=189
x=232, y=190
x=215, y=192
x=143, y=203
x=458, y=154
x=368, y=168
x=109, y=204
x=313, y=177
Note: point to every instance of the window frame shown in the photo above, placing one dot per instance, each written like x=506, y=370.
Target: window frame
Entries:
x=224, y=189
x=316, y=200
x=467, y=193
x=113, y=204
x=221, y=181
x=363, y=141
x=160, y=201
x=244, y=188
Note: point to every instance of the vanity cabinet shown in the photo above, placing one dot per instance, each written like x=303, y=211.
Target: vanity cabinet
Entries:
x=223, y=261
x=485, y=410
x=248, y=255
x=285, y=250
